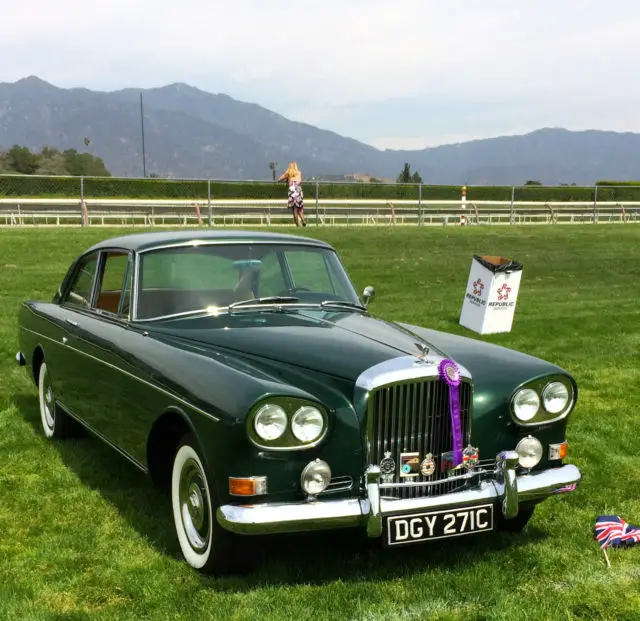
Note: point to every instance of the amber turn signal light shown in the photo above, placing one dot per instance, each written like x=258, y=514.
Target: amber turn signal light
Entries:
x=558, y=451
x=247, y=486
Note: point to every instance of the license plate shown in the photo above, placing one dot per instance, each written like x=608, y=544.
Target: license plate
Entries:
x=454, y=522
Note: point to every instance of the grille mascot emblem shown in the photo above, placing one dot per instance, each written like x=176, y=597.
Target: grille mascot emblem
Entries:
x=421, y=358
x=428, y=465
x=387, y=467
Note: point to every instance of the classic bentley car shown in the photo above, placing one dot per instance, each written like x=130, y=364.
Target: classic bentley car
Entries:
x=243, y=371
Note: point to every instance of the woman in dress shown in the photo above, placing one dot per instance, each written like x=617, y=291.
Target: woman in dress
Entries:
x=295, y=201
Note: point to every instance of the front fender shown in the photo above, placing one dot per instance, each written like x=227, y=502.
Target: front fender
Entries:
x=237, y=382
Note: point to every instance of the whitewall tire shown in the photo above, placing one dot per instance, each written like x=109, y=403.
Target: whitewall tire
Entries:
x=55, y=423
x=205, y=545
x=192, y=506
x=47, y=402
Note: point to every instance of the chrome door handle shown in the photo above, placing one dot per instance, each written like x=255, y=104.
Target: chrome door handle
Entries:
x=73, y=323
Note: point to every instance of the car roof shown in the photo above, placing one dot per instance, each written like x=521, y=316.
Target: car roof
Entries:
x=148, y=241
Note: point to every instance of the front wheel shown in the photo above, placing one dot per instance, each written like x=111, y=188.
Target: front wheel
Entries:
x=205, y=545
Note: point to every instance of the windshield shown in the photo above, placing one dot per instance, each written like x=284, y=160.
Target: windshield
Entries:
x=208, y=277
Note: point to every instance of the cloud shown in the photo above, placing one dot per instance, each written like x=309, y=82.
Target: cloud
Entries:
x=333, y=62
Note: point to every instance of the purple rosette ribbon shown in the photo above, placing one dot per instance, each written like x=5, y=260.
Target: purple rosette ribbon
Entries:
x=450, y=373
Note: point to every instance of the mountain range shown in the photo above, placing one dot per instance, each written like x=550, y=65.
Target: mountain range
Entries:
x=191, y=133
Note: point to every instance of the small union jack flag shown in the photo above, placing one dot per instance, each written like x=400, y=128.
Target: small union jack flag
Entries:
x=612, y=530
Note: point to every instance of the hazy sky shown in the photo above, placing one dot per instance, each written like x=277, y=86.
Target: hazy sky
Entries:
x=393, y=74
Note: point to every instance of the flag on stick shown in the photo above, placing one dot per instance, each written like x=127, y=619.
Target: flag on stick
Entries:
x=612, y=530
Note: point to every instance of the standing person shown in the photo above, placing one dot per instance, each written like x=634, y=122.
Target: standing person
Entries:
x=295, y=200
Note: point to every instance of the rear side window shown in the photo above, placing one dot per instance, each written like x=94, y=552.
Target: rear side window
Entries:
x=79, y=293
x=114, y=273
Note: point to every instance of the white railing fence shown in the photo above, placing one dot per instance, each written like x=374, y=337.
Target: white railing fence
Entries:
x=322, y=212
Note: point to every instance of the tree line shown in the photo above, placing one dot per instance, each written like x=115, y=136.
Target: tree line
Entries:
x=51, y=161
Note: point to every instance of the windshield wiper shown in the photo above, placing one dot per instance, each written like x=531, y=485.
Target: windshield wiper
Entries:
x=343, y=304
x=273, y=299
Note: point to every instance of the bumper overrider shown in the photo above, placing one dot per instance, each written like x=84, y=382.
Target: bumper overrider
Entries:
x=505, y=489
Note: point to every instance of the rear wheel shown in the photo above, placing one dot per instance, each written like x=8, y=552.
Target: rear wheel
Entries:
x=205, y=545
x=55, y=422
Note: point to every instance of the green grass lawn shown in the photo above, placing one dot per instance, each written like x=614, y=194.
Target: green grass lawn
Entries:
x=83, y=534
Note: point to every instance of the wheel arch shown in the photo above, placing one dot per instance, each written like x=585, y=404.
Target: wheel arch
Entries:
x=36, y=361
x=165, y=435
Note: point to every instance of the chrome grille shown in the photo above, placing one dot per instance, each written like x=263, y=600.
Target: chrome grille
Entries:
x=414, y=417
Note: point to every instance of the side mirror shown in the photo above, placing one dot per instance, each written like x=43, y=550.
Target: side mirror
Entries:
x=368, y=294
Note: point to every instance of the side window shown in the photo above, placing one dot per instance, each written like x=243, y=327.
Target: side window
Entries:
x=113, y=275
x=309, y=270
x=272, y=280
x=79, y=293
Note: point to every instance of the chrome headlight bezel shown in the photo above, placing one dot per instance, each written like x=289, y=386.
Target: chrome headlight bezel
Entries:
x=287, y=441
x=541, y=386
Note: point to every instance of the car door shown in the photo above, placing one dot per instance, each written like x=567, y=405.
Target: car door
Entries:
x=100, y=391
x=69, y=363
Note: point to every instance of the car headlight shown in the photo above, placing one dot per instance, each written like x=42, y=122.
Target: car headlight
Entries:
x=307, y=424
x=543, y=400
x=283, y=423
x=526, y=404
x=555, y=397
x=270, y=421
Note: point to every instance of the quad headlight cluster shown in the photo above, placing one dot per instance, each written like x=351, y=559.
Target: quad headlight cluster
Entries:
x=543, y=401
x=287, y=423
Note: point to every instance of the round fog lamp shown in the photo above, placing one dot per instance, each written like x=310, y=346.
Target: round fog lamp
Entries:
x=555, y=397
x=315, y=477
x=525, y=404
x=529, y=452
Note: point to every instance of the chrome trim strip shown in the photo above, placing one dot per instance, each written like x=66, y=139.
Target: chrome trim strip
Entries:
x=196, y=242
x=270, y=518
x=133, y=303
x=158, y=388
x=337, y=484
x=401, y=369
x=462, y=477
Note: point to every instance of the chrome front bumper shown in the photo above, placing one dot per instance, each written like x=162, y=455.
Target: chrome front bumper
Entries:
x=505, y=488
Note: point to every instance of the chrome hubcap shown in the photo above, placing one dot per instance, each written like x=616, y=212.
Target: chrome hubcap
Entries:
x=194, y=507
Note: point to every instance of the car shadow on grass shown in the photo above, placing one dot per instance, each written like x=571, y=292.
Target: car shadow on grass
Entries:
x=313, y=558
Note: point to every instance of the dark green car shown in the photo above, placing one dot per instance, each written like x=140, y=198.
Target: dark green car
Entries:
x=242, y=370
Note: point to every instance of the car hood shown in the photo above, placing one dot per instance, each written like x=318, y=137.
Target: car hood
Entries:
x=342, y=344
